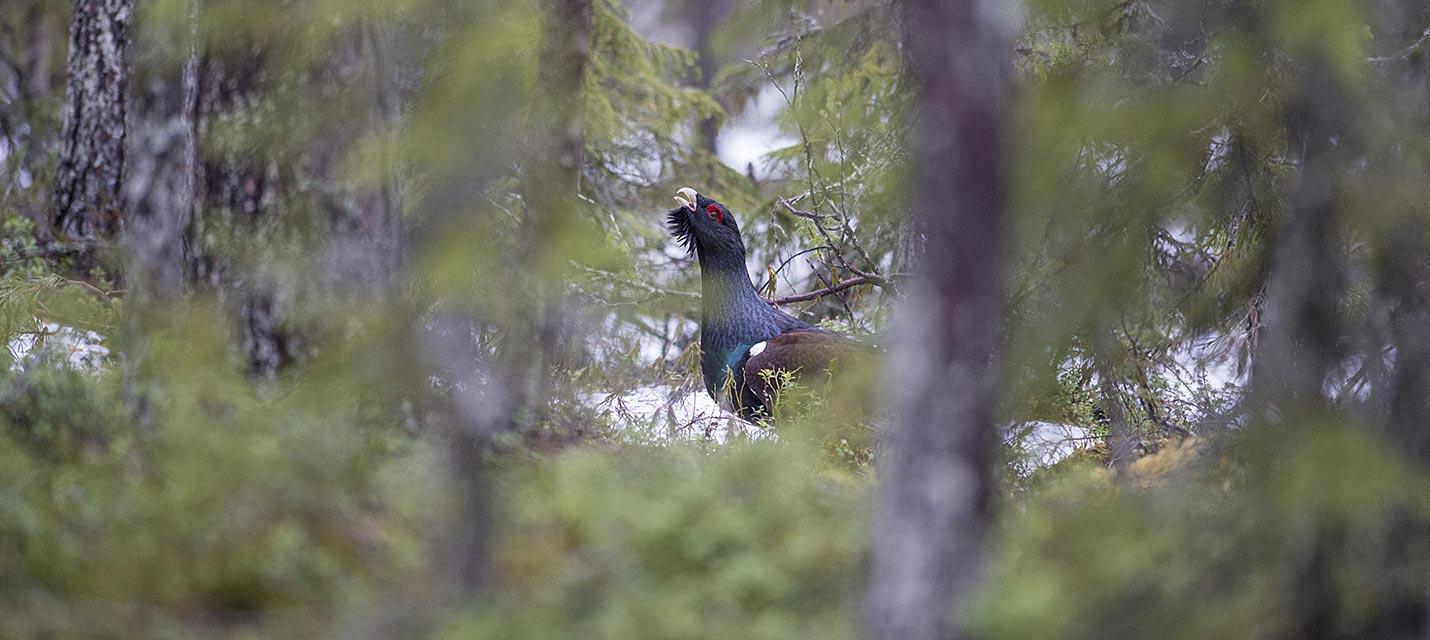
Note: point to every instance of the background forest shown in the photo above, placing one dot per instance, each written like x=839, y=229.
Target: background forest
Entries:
x=360, y=318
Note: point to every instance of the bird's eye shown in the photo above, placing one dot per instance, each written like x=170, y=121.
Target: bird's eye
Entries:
x=715, y=212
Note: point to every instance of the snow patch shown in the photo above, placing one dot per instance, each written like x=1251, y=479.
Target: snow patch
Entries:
x=1043, y=444
x=662, y=413
x=49, y=341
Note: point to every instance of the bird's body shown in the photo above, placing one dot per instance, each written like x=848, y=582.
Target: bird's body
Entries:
x=747, y=345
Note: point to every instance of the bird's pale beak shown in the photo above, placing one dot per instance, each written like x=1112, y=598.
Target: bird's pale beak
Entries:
x=686, y=197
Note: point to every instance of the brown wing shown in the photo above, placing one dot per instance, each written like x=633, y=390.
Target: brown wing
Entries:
x=802, y=353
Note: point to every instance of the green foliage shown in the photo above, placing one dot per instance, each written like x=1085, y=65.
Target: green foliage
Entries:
x=168, y=494
x=753, y=541
x=1219, y=545
x=281, y=511
x=834, y=414
x=17, y=239
x=56, y=414
x=635, y=114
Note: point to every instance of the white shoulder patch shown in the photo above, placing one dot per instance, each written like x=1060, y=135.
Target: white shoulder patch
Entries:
x=757, y=349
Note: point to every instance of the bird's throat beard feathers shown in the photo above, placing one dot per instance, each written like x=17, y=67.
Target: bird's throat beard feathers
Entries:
x=678, y=221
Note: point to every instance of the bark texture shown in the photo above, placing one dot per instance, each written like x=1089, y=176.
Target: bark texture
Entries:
x=87, y=182
x=160, y=200
x=936, y=477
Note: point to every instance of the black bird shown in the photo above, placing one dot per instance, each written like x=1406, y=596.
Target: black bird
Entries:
x=745, y=342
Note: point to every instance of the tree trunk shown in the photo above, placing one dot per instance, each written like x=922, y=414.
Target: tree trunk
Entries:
x=503, y=395
x=937, y=478
x=1405, y=270
x=240, y=191
x=1299, y=343
x=552, y=180
x=160, y=187
x=705, y=17
x=1121, y=443
x=39, y=23
x=87, y=182
x=159, y=206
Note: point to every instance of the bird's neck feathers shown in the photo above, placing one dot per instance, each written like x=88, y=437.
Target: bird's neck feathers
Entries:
x=733, y=313
x=728, y=294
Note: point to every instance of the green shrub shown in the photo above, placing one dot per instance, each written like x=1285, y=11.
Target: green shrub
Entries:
x=1329, y=532
x=753, y=541
x=234, y=510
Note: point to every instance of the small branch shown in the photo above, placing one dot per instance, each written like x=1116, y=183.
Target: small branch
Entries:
x=871, y=278
x=838, y=296
x=650, y=290
x=799, y=212
x=787, y=261
x=827, y=291
x=106, y=296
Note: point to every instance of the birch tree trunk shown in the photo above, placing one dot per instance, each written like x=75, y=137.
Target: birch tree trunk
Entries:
x=936, y=479
x=87, y=183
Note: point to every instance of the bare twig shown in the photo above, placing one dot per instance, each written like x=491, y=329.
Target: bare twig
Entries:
x=786, y=262
x=99, y=293
x=872, y=278
x=827, y=291
x=843, y=302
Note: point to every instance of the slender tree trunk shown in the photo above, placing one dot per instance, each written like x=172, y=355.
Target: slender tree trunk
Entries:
x=239, y=191
x=937, y=478
x=506, y=394
x=384, y=216
x=1405, y=273
x=1298, y=345
x=705, y=16
x=160, y=187
x=1405, y=401
x=87, y=183
x=1121, y=445
x=552, y=181
x=38, y=55
x=159, y=193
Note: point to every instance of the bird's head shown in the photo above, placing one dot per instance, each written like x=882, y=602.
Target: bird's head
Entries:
x=706, y=228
